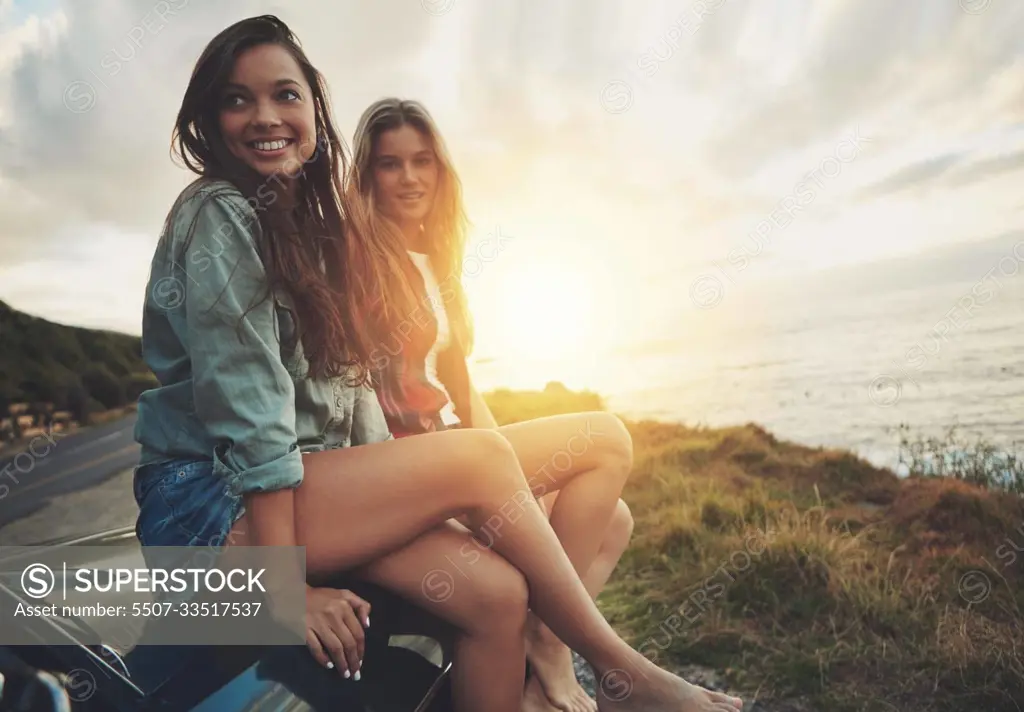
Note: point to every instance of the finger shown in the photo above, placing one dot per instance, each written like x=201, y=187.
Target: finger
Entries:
x=348, y=617
x=317, y=650
x=343, y=634
x=361, y=607
x=335, y=646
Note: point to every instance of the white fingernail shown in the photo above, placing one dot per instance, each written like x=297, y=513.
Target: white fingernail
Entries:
x=330, y=665
x=367, y=621
x=347, y=674
x=356, y=677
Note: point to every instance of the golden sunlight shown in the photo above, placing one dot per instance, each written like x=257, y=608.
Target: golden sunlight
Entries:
x=544, y=313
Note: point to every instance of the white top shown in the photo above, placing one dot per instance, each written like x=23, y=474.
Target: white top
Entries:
x=444, y=334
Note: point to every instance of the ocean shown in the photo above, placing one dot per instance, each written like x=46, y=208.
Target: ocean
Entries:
x=840, y=364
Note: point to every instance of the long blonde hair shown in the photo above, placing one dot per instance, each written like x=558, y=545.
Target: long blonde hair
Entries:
x=446, y=226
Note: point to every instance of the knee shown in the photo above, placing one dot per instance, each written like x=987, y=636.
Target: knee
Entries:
x=502, y=598
x=616, y=443
x=490, y=449
x=620, y=529
x=488, y=452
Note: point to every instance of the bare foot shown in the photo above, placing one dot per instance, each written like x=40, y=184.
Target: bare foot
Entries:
x=651, y=689
x=552, y=671
x=534, y=699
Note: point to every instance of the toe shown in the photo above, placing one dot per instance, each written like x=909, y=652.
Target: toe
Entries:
x=735, y=703
x=583, y=703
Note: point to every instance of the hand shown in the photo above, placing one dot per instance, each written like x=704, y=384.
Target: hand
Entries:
x=335, y=619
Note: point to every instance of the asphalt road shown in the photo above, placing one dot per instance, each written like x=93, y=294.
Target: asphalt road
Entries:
x=55, y=466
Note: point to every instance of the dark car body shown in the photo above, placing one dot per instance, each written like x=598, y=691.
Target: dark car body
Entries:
x=405, y=668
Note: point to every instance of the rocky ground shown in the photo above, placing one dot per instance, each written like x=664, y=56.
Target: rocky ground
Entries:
x=696, y=674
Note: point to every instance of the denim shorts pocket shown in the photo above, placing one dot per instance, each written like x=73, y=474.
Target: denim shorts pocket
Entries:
x=198, y=502
x=184, y=504
x=146, y=477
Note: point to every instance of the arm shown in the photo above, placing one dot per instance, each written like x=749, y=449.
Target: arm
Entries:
x=245, y=398
x=243, y=394
x=271, y=518
x=483, y=418
x=480, y=414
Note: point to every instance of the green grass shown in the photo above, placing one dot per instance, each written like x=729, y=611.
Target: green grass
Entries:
x=808, y=574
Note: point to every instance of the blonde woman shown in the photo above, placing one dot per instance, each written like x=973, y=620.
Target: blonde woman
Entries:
x=403, y=187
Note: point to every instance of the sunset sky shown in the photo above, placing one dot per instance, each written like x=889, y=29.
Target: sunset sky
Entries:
x=642, y=161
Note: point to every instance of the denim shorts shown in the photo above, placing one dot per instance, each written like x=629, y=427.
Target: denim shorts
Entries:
x=182, y=503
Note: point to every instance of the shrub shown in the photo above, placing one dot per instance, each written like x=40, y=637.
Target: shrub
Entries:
x=104, y=386
x=979, y=462
x=138, y=383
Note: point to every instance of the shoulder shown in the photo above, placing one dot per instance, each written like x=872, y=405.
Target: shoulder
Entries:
x=202, y=190
x=218, y=204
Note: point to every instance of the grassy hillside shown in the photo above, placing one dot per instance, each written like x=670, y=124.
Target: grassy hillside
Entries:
x=812, y=579
x=75, y=369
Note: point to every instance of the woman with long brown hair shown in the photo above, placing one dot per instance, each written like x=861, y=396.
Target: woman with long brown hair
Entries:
x=258, y=324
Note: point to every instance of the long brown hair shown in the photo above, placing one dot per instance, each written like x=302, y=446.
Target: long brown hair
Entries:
x=446, y=226
x=303, y=241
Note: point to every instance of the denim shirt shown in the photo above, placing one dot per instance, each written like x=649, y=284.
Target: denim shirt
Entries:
x=231, y=388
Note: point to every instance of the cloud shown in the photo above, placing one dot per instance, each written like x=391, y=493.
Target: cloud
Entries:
x=916, y=175
x=859, y=64
x=946, y=265
x=950, y=171
x=743, y=101
x=91, y=103
x=987, y=168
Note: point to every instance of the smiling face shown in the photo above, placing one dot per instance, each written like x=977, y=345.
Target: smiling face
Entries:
x=267, y=114
x=405, y=175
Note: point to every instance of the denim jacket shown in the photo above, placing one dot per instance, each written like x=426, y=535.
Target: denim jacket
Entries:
x=232, y=389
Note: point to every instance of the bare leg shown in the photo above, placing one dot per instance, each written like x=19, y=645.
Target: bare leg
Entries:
x=543, y=642
x=487, y=605
x=613, y=546
x=488, y=608
x=588, y=457
x=359, y=504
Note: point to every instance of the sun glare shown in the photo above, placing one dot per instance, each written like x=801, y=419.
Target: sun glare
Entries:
x=545, y=313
